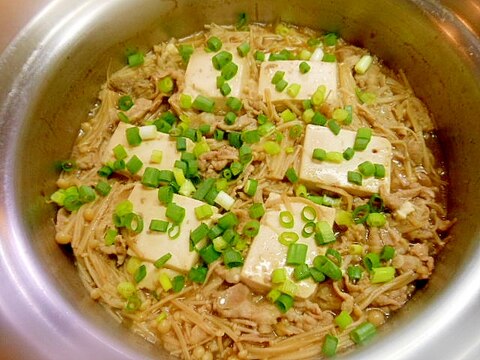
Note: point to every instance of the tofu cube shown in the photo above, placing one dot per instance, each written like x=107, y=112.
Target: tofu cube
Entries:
x=321, y=73
x=201, y=76
x=162, y=142
x=266, y=253
x=316, y=173
x=152, y=245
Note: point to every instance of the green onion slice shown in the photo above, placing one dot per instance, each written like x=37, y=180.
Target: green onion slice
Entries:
x=286, y=219
x=288, y=237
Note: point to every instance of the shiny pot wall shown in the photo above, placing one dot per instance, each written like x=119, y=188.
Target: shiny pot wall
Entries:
x=50, y=76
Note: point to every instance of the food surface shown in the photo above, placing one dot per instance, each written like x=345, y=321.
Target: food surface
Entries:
x=254, y=191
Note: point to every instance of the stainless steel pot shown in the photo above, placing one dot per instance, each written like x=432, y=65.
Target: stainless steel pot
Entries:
x=49, y=77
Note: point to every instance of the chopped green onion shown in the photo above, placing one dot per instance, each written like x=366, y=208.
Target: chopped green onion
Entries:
x=266, y=128
x=319, y=119
x=250, y=187
x=379, y=171
x=110, y=236
x=165, y=281
x=211, y=195
x=304, y=67
x=273, y=295
x=251, y=136
x=165, y=194
x=295, y=131
x=166, y=85
x=86, y=194
x=343, y=320
x=297, y=254
x=307, y=115
x=382, y=274
x=259, y=55
x=133, y=303
x=388, y=253
x=243, y=49
x=304, y=55
x=286, y=219
x=179, y=175
x=288, y=287
x=185, y=50
x=230, y=118
x=198, y=274
x=219, y=243
x=175, y=213
x=340, y=114
x=291, y=175
x=319, y=154
x=317, y=275
x=185, y=101
x=293, y=90
x=366, y=168
x=343, y=218
x=125, y=103
x=329, y=347
x=234, y=103
x=126, y=289
x=204, y=211
x=103, y=188
x=281, y=85
x=148, y=132
x=251, y=228
x=330, y=39
x=324, y=233
x=288, y=237
x=209, y=254
x=365, y=97
x=242, y=22
x=199, y=233
x=133, y=136
x=135, y=59
x=279, y=276
x=287, y=115
x=363, y=64
x=214, y=232
x=150, y=177
x=348, y=120
x=327, y=267
x=156, y=157
x=309, y=214
x=187, y=188
x=356, y=249
x=221, y=59
x=371, y=261
x=158, y=225
x=203, y=103
x=228, y=220
x=348, y=153
x=134, y=222
x=329, y=58
x=362, y=333
x=256, y=211
x=229, y=70
x=354, y=273
x=271, y=147
x=282, y=29
x=376, y=220
x=301, y=272
x=178, y=283
x=134, y=164
x=214, y=44
x=200, y=148
x=174, y=231
x=225, y=89
x=224, y=200
x=162, y=260
x=334, y=127
x=318, y=96
x=354, y=177
x=301, y=190
x=334, y=157
x=284, y=302
x=334, y=255
x=308, y=229
x=360, y=214
x=232, y=258
x=123, y=118
x=235, y=139
x=204, y=188
x=140, y=273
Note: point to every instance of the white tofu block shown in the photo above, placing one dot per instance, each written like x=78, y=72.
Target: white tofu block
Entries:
x=162, y=142
x=152, y=245
x=201, y=76
x=321, y=73
x=266, y=253
x=316, y=173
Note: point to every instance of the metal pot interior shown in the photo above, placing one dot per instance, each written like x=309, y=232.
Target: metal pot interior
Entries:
x=54, y=70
